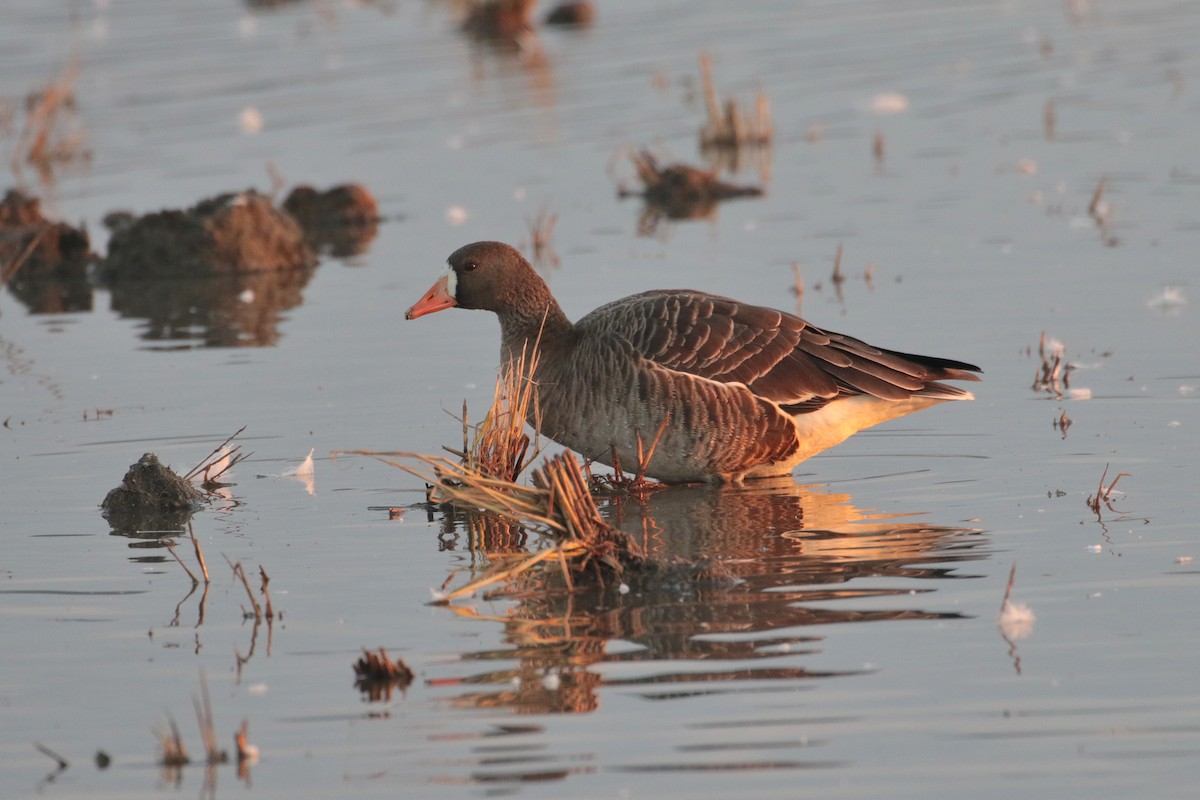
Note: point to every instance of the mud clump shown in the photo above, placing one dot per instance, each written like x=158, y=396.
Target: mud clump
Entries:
x=151, y=497
x=341, y=221
x=44, y=263
x=571, y=14
x=227, y=234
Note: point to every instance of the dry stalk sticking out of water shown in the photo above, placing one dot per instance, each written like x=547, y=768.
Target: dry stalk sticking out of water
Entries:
x=238, y=572
x=40, y=143
x=620, y=480
x=218, y=462
x=729, y=127
x=46, y=751
x=541, y=238
x=174, y=752
x=208, y=728
x=1054, y=374
x=170, y=545
x=1104, y=493
x=246, y=752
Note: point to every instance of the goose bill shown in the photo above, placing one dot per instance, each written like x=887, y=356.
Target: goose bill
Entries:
x=438, y=298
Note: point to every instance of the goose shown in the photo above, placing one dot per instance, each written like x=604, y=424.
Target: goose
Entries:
x=731, y=390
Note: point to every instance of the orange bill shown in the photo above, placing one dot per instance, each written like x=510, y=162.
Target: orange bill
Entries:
x=438, y=298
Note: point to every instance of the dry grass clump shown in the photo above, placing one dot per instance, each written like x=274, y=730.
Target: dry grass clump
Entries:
x=497, y=450
x=499, y=446
x=727, y=126
x=1054, y=374
x=558, y=503
x=173, y=751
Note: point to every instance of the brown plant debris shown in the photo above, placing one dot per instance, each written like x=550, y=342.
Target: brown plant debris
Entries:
x=151, y=497
x=727, y=126
x=1062, y=423
x=377, y=675
x=679, y=191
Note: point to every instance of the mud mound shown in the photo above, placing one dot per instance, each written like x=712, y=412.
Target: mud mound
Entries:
x=151, y=497
x=229, y=233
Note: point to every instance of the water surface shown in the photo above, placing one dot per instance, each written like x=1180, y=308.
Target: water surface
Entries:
x=859, y=653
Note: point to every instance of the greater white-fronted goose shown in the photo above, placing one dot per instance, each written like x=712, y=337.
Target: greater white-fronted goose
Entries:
x=743, y=390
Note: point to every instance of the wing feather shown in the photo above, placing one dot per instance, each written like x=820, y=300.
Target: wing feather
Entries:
x=777, y=355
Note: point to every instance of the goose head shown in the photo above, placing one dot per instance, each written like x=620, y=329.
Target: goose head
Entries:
x=491, y=276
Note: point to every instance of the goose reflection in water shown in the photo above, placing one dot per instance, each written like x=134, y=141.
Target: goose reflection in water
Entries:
x=779, y=558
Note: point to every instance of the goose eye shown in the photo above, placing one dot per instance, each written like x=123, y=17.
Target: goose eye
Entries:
x=469, y=266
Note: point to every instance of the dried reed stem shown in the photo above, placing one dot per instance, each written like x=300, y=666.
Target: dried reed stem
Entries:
x=238, y=572
x=206, y=463
x=1012, y=576
x=208, y=728
x=199, y=554
x=171, y=549
x=46, y=751
x=266, y=595
x=174, y=753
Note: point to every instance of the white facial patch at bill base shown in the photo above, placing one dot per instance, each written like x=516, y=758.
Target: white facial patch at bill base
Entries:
x=451, y=282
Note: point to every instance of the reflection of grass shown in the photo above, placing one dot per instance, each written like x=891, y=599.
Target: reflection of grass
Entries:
x=558, y=503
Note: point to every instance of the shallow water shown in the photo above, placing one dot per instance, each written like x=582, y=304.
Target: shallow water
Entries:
x=859, y=655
